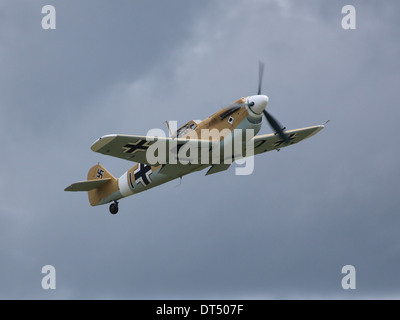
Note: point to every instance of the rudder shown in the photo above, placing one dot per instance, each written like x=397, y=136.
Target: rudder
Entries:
x=98, y=172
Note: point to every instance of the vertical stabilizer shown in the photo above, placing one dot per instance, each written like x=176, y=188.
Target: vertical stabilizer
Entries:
x=98, y=172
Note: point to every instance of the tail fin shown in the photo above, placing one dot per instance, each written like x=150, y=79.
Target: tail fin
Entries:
x=98, y=172
x=100, y=185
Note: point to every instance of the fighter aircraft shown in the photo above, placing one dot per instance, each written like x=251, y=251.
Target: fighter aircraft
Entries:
x=161, y=159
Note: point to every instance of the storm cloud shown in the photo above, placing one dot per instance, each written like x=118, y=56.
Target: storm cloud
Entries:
x=283, y=232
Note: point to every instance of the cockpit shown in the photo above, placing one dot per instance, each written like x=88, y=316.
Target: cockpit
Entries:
x=185, y=129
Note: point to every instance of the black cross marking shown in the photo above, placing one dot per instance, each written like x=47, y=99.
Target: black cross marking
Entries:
x=291, y=137
x=100, y=173
x=140, y=145
x=142, y=174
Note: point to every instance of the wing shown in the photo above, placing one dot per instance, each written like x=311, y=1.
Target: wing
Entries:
x=134, y=148
x=268, y=142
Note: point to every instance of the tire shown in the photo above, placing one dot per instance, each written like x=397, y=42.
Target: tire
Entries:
x=114, y=208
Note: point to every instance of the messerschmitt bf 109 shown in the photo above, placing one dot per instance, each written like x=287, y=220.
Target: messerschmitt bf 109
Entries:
x=224, y=137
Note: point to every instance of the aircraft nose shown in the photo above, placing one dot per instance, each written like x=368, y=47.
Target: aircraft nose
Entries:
x=257, y=103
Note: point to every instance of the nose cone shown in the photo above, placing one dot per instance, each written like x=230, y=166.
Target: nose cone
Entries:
x=257, y=103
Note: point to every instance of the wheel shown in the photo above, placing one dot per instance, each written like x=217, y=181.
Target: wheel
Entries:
x=114, y=208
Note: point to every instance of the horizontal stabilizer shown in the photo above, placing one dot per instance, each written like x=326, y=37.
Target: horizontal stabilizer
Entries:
x=87, y=185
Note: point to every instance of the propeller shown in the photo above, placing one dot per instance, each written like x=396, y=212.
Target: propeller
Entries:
x=260, y=75
x=274, y=124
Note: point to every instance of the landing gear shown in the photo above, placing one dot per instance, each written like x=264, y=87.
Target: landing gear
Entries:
x=114, y=207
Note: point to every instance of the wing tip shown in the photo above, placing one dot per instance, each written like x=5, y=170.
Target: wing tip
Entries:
x=102, y=141
x=321, y=126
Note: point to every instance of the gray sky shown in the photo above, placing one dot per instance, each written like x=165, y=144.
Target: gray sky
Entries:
x=283, y=232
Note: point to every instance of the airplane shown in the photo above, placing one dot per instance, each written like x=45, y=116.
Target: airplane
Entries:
x=230, y=124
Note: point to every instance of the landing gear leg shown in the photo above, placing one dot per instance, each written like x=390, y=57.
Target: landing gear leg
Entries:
x=114, y=207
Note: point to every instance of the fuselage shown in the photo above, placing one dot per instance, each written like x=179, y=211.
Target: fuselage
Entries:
x=227, y=124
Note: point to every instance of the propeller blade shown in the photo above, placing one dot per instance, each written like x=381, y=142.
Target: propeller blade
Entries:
x=275, y=125
x=260, y=75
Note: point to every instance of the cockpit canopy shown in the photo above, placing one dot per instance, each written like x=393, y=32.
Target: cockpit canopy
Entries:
x=185, y=129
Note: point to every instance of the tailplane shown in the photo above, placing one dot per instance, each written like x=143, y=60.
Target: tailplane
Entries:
x=100, y=184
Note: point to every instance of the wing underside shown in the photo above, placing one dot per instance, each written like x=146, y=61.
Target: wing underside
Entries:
x=268, y=142
x=135, y=148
